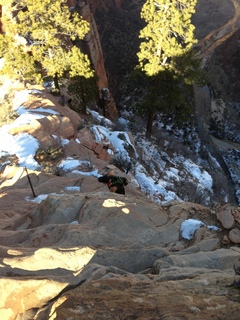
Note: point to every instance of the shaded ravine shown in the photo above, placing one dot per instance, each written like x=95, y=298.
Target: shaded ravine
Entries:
x=215, y=38
x=212, y=145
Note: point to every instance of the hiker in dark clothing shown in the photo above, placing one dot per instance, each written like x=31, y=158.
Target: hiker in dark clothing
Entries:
x=115, y=184
x=62, y=100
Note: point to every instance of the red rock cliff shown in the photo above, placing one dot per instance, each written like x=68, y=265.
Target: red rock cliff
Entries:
x=92, y=47
x=91, y=44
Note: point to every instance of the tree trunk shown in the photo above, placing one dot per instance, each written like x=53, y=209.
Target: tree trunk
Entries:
x=84, y=104
x=56, y=84
x=149, y=124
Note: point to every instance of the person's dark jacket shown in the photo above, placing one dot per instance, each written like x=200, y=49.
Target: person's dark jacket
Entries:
x=115, y=183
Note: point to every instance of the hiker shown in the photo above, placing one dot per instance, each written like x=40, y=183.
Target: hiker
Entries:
x=115, y=184
x=62, y=100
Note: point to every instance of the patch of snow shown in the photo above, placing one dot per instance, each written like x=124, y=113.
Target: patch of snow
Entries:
x=74, y=222
x=72, y=188
x=188, y=228
x=71, y=163
x=90, y=173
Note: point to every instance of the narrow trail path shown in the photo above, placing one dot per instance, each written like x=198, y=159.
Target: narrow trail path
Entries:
x=224, y=144
x=215, y=38
x=203, y=100
x=213, y=145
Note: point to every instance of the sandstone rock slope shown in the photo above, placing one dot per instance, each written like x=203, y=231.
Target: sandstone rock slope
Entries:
x=91, y=254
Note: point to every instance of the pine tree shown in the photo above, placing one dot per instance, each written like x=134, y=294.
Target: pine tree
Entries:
x=40, y=38
x=168, y=34
x=84, y=90
x=167, y=48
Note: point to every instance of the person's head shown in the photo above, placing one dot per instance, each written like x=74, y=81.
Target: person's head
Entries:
x=103, y=179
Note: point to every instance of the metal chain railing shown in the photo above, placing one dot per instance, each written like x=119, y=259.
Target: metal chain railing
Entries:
x=23, y=169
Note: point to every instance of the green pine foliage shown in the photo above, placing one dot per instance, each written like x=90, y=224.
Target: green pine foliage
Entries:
x=166, y=58
x=39, y=40
x=168, y=34
x=84, y=90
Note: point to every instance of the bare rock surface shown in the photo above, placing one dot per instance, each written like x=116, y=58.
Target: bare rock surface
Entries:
x=234, y=235
x=225, y=217
x=91, y=254
x=141, y=297
x=102, y=255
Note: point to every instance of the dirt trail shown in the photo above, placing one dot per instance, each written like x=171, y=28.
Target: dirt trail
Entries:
x=213, y=145
x=209, y=43
x=203, y=100
x=224, y=144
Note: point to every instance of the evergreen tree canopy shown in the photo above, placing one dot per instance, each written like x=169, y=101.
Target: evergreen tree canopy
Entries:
x=166, y=57
x=40, y=35
x=85, y=90
x=167, y=36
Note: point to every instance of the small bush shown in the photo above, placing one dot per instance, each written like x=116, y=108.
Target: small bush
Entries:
x=123, y=163
x=11, y=159
x=7, y=113
x=49, y=154
x=47, y=158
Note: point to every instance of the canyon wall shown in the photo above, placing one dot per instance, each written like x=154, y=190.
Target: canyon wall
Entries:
x=91, y=45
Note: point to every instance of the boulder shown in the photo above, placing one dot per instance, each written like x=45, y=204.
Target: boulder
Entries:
x=219, y=259
x=224, y=215
x=234, y=235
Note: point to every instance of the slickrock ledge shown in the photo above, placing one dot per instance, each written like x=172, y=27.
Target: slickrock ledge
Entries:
x=99, y=255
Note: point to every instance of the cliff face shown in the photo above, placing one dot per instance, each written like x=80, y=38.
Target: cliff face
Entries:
x=92, y=47
x=92, y=44
x=118, y=25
